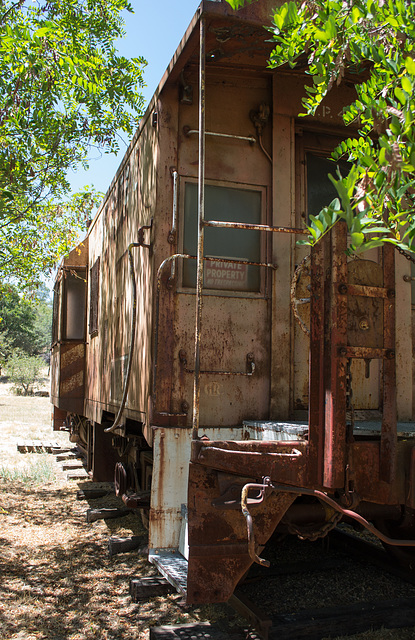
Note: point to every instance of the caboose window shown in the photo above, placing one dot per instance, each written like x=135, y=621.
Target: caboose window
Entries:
x=56, y=306
x=94, y=297
x=320, y=189
x=231, y=205
x=74, y=304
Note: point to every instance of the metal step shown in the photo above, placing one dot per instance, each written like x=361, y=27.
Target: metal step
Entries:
x=172, y=565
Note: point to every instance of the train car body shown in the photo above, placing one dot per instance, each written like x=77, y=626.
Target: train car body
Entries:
x=246, y=388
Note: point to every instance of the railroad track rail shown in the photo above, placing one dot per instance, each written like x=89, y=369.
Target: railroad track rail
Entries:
x=367, y=551
x=387, y=600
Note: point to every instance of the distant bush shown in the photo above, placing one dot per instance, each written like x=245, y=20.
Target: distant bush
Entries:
x=24, y=372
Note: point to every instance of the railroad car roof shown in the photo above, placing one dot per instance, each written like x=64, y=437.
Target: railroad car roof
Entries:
x=234, y=40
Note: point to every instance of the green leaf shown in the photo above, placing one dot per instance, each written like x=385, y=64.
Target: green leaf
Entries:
x=401, y=95
x=406, y=84
x=410, y=65
x=41, y=32
x=357, y=239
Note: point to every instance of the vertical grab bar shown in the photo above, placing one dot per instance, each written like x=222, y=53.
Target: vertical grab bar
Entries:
x=200, y=238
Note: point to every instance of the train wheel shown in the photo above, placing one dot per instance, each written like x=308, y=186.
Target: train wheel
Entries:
x=120, y=479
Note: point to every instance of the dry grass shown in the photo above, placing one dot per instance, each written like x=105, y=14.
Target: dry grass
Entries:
x=25, y=418
x=57, y=579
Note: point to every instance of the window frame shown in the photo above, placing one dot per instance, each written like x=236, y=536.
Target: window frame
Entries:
x=264, y=240
x=94, y=297
x=69, y=271
x=313, y=141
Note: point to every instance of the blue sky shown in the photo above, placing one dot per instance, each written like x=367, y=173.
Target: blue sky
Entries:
x=154, y=32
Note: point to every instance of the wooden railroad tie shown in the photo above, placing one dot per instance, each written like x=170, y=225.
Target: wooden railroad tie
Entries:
x=91, y=494
x=150, y=587
x=194, y=631
x=103, y=514
x=77, y=474
x=67, y=455
x=251, y=612
x=123, y=545
x=73, y=465
x=314, y=624
x=36, y=446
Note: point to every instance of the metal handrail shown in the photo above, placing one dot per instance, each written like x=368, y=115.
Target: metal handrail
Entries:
x=251, y=139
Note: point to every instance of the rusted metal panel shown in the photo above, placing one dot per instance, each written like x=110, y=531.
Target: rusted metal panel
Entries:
x=78, y=257
x=54, y=373
x=317, y=355
x=233, y=327
x=411, y=482
x=365, y=465
x=283, y=193
x=71, y=381
x=218, y=545
x=258, y=12
x=283, y=461
x=388, y=439
x=404, y=340
x=171, y=456
x=335, y=427
x=58, y=419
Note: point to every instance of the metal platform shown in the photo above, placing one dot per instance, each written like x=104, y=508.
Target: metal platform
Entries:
x=172, y=565
x=373, y=428
x=267, y=430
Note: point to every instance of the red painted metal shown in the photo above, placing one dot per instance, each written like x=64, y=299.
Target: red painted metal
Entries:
x=255, y=458
x=411, y=483
x=388, y=438
x=348, y=513
x=218, y=545
x=335, y=454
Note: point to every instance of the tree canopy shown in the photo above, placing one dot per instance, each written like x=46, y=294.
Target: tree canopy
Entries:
x=64, y=91
x=25, y=324
x=375, y=40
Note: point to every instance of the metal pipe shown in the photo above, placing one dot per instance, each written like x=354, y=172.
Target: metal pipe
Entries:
x=140, y=243
x=201, y=215
x=173, y=231
x=249, y=139
x=346, y=512
x=263, y=148
x=132, y=340
x=245, y=511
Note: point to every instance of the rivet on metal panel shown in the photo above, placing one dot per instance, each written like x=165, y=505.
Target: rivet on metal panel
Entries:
x=185, y=407
x=364, y=324
x=342, y=289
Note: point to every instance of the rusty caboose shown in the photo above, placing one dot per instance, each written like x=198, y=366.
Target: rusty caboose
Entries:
x=200, y=354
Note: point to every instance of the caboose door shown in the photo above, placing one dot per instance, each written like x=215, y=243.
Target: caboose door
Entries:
x=365, y=315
